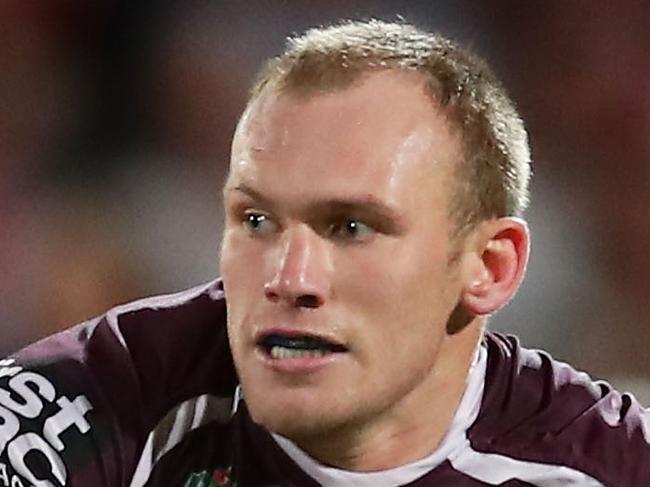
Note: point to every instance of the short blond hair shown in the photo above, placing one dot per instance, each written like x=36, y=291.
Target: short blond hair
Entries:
x=494, y=173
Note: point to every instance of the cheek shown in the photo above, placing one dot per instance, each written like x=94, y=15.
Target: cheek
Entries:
x=395, y=272
x=399, y=291
x=240, y=262
x=228, y=254
x=242, y=276
x=238, y=271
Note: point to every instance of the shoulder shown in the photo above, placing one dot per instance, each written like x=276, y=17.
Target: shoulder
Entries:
x=170, y=343
x=109, y=384
x=155, y=318
x=540, y=410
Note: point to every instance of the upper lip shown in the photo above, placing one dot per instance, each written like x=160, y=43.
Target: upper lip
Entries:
x=297, y=332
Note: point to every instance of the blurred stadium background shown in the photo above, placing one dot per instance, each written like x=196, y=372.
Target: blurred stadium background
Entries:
x=116, y=117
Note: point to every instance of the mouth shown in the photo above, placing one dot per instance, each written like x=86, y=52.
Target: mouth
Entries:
x=283, y=346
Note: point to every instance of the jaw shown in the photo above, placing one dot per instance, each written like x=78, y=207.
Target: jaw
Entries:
x=296, y=405
x=317, y=416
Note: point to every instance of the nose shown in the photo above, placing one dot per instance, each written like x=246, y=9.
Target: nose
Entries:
x=301, y=270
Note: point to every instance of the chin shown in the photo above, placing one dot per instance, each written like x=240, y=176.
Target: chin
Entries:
x=296, y=420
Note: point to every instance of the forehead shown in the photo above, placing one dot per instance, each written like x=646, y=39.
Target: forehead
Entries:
x=383, y=132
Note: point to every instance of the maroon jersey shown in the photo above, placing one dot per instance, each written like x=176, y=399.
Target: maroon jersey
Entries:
x=147, y=395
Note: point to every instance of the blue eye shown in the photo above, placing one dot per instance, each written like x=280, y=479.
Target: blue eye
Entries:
x=350, y=230
x=259, y=223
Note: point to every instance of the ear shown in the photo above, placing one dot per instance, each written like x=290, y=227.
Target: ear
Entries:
x=496, y=265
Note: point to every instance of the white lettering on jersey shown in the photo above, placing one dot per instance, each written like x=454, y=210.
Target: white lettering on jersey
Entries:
x=70, y=414
x=6, y=370
x=4, y=478
x=24, y=397
x=7, y=480
x=31, y=405
x=21, y=446
x=9, y=427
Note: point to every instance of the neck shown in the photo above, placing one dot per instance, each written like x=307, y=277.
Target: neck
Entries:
x=416, y=426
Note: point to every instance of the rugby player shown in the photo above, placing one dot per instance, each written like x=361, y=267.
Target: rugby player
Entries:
x=374, y=207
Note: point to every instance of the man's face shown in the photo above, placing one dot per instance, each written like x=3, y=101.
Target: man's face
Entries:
x=335, y=256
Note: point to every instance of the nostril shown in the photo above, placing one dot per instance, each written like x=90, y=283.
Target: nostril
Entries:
x=271, y=295
x=276, y=292
x=307, y=301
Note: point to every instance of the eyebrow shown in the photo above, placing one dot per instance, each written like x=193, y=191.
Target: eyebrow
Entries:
x=367, y=206
x=250, y=192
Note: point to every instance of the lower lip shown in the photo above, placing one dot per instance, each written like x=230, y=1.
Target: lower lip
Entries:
x=302, y=365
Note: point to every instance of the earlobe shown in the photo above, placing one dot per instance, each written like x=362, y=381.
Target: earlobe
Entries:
x=499, y=265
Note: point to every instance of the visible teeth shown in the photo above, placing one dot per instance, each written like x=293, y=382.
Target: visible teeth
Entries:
x=280, y=353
